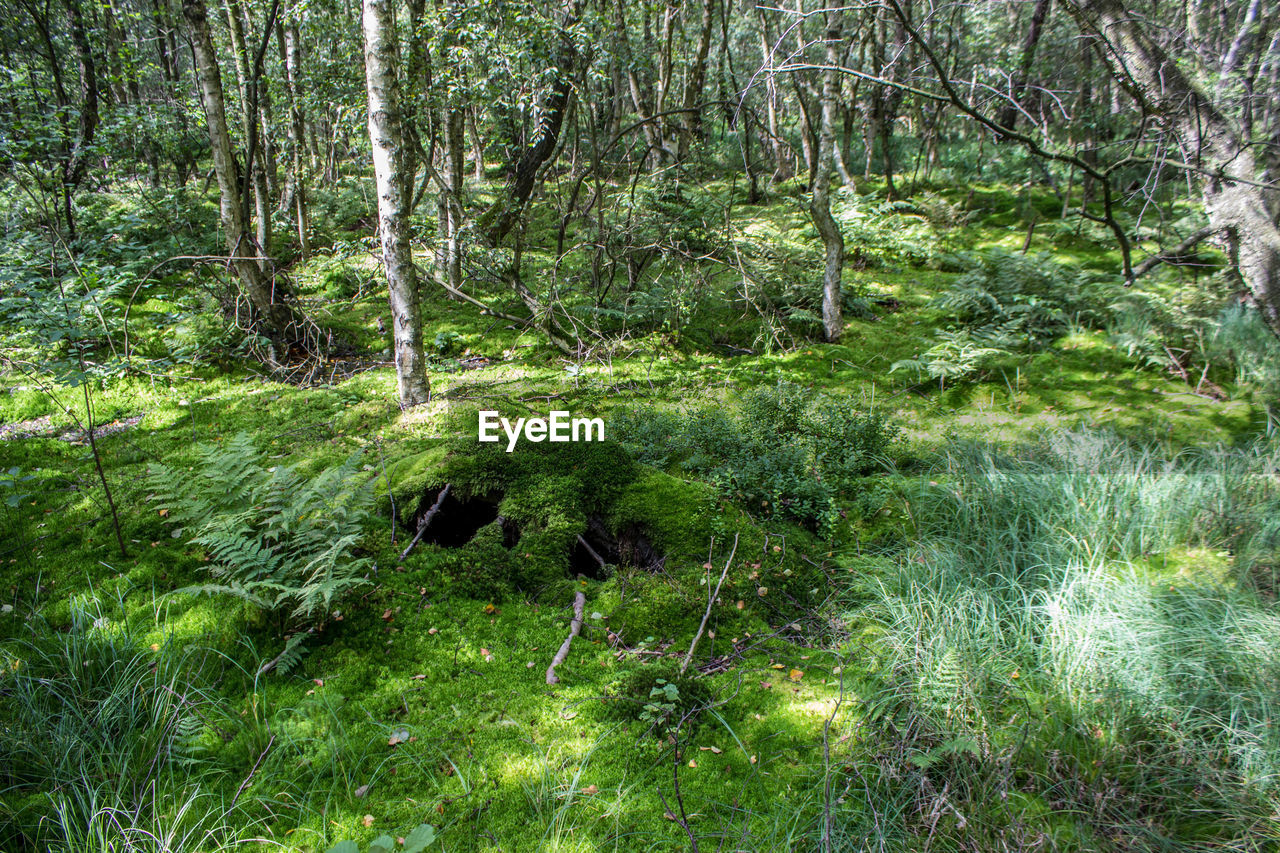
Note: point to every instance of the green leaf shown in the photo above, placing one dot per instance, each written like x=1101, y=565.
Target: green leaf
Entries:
x=347, y=846
x=382, y=844
x=422, y=837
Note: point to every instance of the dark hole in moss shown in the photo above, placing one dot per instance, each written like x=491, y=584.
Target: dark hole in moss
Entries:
x=459, y=518
x=629, y=548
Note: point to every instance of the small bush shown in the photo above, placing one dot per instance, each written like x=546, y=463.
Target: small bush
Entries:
x=787, y=452
x=658, y=696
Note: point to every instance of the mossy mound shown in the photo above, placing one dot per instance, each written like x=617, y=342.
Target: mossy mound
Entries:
x=543, y=519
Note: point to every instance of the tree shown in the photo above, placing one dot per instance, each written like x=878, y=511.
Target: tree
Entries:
x=1239, y=201
x=392, y=179
x=820, y=201
x=266, y=297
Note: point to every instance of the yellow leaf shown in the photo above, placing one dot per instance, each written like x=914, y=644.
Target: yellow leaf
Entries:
x=795, y=674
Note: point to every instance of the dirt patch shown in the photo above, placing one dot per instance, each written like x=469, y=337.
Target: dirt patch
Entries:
x=45, y=428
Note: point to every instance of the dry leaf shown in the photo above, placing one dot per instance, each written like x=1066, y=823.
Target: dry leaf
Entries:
x=741, y=604
x=590, y=789
x=362, y=790
x=714, y=750
x=762, y=591
x=795, y=674
x=692, y=763
x=432, y=631
x=418, y=677
x=753, y=759
x=367, y=820
x=387, y=615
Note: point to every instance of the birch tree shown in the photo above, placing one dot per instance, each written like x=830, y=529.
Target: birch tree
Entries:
x=386, y=138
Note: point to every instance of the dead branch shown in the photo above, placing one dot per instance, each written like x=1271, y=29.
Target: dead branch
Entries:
x=575, y=626
x=711, y=600
x=426, y=520
x=591, y=551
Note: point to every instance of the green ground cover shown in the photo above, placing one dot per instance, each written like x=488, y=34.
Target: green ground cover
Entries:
x=1035, y=611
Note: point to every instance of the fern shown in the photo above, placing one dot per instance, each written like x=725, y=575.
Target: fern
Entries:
x=277, y=540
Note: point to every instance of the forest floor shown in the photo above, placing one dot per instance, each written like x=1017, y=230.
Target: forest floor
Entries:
x=423, y=699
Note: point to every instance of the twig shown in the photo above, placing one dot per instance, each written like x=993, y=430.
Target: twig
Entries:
x=426, y=520
x=591, y=551
x=575, y=626
x=263, y=755
x=711, y=600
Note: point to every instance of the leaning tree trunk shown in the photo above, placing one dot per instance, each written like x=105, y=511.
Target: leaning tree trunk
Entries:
x=265, y=297
x=820, y=203
x=386, y=136
x=1237, y=202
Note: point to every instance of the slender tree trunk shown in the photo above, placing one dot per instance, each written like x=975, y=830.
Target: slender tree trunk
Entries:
x=73, y=167
x=1011, y=113
x=265, y=297
x=773, y=113
x=386, y=136
x=691, y=118
x=297, y=135
x=820, y=203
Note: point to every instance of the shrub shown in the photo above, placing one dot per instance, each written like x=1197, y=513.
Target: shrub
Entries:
x=1021, y=301
x=658, y=696
x=787, y=452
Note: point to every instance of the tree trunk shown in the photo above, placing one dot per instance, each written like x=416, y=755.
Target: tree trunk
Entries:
x=502, y=216
x=820, y=203
x=265, y=297
x=1009, y=116
x=297, y=135
x=691, y=118
x=73, y=167
x=1236, y=204
x=386, y=137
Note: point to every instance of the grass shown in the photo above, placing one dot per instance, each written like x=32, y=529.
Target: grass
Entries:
x=1049, y=624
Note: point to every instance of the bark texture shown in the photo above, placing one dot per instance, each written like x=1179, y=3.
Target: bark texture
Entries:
x=268, y=307
x=820, y=202
x=1212, y=146
x=386, y=136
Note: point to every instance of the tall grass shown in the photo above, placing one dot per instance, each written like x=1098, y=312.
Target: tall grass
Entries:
x=102, y=741
x=1049, y=682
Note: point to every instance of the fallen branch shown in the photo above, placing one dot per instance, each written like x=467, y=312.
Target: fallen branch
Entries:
x=591, y=551
x=427, y=519
x=711, y=600
x=575, y=626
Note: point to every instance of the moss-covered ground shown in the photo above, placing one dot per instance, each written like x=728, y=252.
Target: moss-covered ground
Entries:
x=424, y=698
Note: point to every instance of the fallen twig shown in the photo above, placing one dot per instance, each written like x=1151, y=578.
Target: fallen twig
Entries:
x=426, y=520
x=711, y=600
x=575, y=626
x=591, y=551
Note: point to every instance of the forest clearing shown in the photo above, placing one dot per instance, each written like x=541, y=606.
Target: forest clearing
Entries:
x=649, y=425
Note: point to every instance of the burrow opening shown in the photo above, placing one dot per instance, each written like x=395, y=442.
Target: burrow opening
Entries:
x=596, y=545
x=459, y=519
